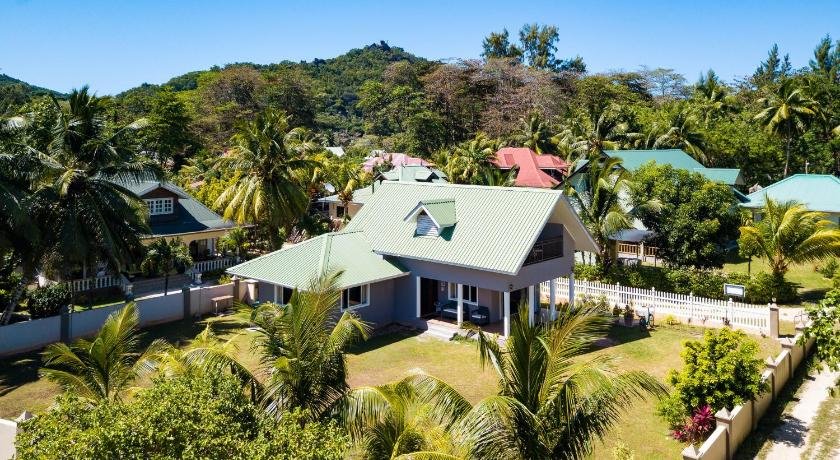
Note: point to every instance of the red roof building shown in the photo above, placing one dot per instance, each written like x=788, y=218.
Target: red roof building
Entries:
x=541, y=171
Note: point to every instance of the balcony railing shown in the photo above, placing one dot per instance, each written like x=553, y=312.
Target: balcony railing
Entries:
x=547, y=249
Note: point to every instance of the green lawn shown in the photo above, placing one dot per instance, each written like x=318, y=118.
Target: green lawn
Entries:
x=813, y=285
x=389, y=357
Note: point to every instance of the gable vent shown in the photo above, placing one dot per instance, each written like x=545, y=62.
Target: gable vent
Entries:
x=426, y=226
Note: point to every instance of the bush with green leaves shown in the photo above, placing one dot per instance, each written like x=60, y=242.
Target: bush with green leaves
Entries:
x=824, y=320
x=721, y=371
x=199, y=416
x=48, y=300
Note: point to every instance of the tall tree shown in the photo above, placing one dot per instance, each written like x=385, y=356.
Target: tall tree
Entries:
x=80, y=192
x=773, y=69
x=596, y=195
x=302, y=346
x=497, y=45
x=826, y=61
x=788, y=233
x=787, y=113
x=535, y=134
x=168, y=137
x=680, y=130
x=470, y=159
x=539, y=43
x=273, y=164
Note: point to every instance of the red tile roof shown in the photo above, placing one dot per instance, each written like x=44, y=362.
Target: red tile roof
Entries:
x=531, y=166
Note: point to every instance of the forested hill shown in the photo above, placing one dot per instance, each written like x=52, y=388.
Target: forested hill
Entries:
x=14, y=92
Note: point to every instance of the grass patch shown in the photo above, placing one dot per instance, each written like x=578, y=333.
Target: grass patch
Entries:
x=824, y=437
x=812, y=285
x=390, y=357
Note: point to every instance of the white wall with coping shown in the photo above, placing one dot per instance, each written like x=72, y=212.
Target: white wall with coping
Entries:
x=8, y=431
x=32, y=335
x=733, y=427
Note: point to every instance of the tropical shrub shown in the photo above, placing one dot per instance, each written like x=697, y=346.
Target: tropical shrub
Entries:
x=48, y=300
x=830, y=268
x=194, y=416
x=824, y=319
x=721, y=371
x=698, y=427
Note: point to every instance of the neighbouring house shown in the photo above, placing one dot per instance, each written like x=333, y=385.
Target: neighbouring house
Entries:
x=419, y=251
x=393, y=159
x=534, y=170
x=337, y=151
x=818, y=192
x=174, y=213
x=337, y=211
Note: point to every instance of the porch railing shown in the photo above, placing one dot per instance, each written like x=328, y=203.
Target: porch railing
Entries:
x=96, y=282
x=547, y=249
x=214, y=264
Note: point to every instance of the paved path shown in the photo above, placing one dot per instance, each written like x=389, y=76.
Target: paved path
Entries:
x=790, y=439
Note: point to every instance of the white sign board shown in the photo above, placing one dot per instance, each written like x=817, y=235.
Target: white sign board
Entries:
x=735, y=290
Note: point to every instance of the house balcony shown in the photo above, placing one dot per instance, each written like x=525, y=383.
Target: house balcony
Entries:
x=547, y=249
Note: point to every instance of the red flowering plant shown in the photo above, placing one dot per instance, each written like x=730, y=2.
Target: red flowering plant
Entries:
x=697, y=428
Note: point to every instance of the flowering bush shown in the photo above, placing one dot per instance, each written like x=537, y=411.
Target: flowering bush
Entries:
x=697, y=428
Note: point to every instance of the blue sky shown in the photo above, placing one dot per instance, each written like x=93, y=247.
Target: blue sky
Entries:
x=115, y=45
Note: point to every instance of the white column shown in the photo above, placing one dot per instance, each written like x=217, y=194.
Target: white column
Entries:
x=275, y=293
x=572, y=289
x=506, y=329
x=532, y=305
x=552, y=298
x=417, y=294
x=460, y=304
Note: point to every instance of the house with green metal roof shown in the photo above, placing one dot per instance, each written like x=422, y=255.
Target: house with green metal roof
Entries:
x=420, y=252
x=337, y=211
x=174, y=213
x=818, y=192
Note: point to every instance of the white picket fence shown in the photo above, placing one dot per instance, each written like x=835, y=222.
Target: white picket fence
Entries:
x=690, y=309
x=96, y=282
x=213, y=264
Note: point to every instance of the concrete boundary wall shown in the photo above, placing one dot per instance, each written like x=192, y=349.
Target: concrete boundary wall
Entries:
x=155, y=309
x=8, y=431
x=733, y=427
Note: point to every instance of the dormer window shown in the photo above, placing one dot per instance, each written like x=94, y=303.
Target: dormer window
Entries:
x=160, y=206
x=433, y=217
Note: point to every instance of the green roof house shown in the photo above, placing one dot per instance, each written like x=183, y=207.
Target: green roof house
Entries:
x=335, y=209
x=818, y=192
x=677, y=158
x=419, y=251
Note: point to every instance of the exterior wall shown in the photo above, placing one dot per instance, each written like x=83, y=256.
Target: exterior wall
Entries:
x=187, y=238
x=351, y=210
x=29, y=335
x=379, y=313
x=8, y=431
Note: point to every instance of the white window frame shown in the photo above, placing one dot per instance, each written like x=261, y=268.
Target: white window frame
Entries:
x=365, y=293
x=452, y=290
x=160, y=206
x=279, y=298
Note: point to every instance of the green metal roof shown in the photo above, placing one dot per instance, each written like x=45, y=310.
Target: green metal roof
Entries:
x=496, y=226
x=442, y=211
x=635, y=159
x=818, y=192
x=409, y=173
x=298, y=265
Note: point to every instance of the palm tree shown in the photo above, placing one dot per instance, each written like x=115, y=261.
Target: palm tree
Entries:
x=607, y=131
x=100, y=369
x=551, y=405
x=713, y=97
x=166, y=257
x=535, y=134
x=273, y=163
x=497, y=178
x=206, y=353
x=680, y=130
x=302, y=346
x=788, y=233
x=787, y=114
x=403, y=420
x=79, y=193
x=235, y=240
x=345, y=174
x=597, y=198
x=471, y=159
